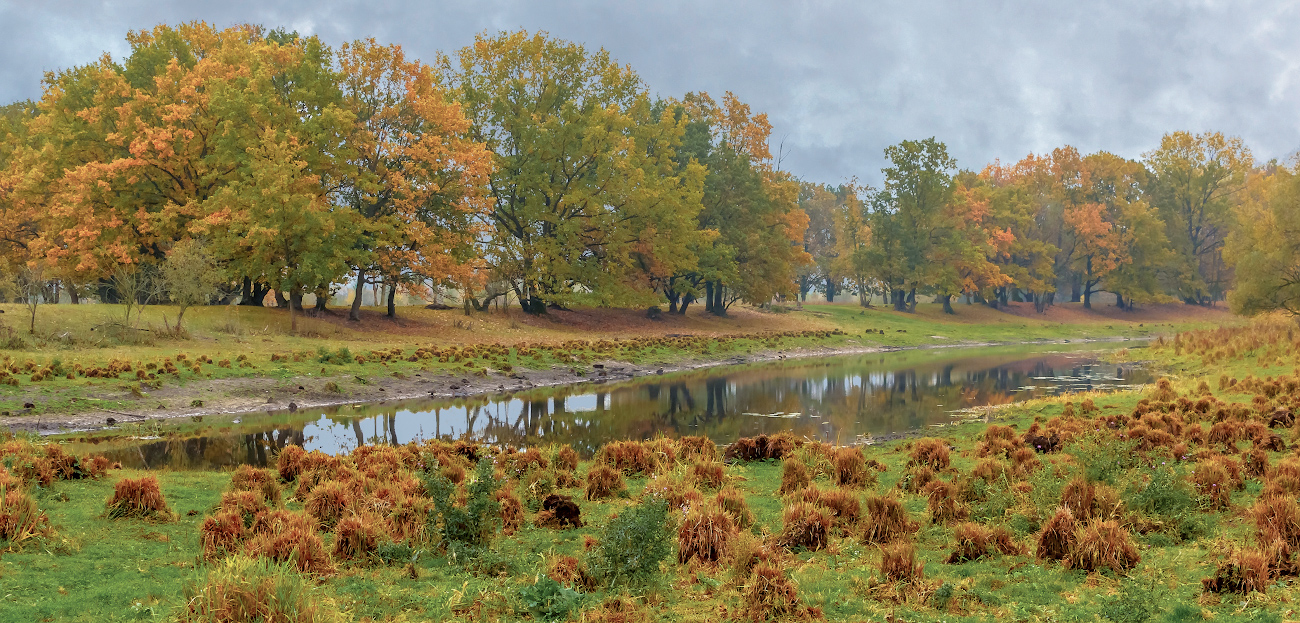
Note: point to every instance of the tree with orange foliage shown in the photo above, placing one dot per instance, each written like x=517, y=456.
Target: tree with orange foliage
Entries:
x=417, y=180
x=968, y=242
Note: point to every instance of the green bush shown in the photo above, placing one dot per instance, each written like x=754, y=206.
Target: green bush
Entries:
x=633, y=545
x=479, y=520
x=1104, y=459
x=548, y=600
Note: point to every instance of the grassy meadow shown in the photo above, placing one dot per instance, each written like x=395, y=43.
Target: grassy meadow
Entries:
x=1177, y=503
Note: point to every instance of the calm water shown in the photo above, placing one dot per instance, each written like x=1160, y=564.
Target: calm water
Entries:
x=840, y=399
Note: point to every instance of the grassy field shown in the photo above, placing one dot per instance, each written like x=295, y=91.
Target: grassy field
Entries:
x=86, y=358
x=1174, y=505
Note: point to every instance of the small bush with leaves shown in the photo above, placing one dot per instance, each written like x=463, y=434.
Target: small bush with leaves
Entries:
x=634, y=544
x=477, y=521
x=548, y=600
x=243, y=589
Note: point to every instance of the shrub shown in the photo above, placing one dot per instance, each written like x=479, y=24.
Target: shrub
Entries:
x=604, y=482
x=548, y=600
x=706, y=534
x=476, y=522
x=244, y=590
x=633, y=544
x=886, y=520
x=140, y=498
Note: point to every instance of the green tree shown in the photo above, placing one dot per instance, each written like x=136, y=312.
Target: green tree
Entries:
x=190, y=275
x=1196, y=181
x=906, y=214
x=586, y=193
x=1261, y=247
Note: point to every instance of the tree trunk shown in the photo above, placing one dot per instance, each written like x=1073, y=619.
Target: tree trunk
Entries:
x=354, y=314
x=293, y=316
x=708, y=297
x=295, y=299
x=1119, y=300
x=1075, y=291
x=911, y=301
x=392, y=301
x=946, y=299
x=280, y=301
x=1087, y=296
x=73, y=296
x=900, y=302
x=322, y=298
x=719, y=308
x=830, y=290
x=687, y=299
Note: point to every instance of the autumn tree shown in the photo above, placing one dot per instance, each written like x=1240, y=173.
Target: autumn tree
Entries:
x=1139, y=247
x=416, y=179
x=852, y=239
x=905, y=214
x=821, y=203
x=967, y=243
x=1196, y=181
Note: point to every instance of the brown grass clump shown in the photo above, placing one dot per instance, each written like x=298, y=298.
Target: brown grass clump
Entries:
x=246, y=504
x=732, y=501
x=794, y=475
x=930, y=452
x=407, y=520
x=886, y=520
x=291, y=540
x=1244, y=571
x=943, y=503
x=1057, y=535
x=706, y=534
x=140, y=498
x=569, y=571
x=699, y=448
x=20, y=519
x=709, y=474
x=1214, y=482
x=604, y=482
x=1078, y=496
x=629, y=457
x=1277, y=518
x=356, y=537
x=328, y=502
x=1024, y=461
x=566, y=458
x=761, y=447
x=1102, y=544
x=998, y=441
x=975, y=541
x=990, y=470
x=768, y=594
x=222, y=534
x=898, y=563
x=804, y=525
x=291, y=462
x=850, y=468
x=245, y=590
x=512, y=510
x=916, y=479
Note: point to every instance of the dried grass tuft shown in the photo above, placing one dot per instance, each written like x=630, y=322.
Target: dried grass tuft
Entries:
x=886, y=520
x=1102, y=544
x=805, y=525
x=139, y=498
x=705, y=534
x=604, y=482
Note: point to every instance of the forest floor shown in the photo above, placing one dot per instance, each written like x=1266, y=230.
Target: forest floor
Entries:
x=85, y=366
x=1173, y=504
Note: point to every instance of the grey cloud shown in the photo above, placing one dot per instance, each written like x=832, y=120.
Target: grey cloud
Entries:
x=839, y=80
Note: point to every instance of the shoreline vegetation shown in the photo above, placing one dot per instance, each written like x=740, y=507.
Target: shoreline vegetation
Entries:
x=241, y=361
x=1176, y=503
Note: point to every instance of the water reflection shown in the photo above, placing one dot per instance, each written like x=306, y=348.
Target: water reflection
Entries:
x=835, y=399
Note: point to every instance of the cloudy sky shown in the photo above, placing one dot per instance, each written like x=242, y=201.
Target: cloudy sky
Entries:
x=839, y=80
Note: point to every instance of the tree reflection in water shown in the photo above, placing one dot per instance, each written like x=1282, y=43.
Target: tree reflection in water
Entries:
x=834, y=399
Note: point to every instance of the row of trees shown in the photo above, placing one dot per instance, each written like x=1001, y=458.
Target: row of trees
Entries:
x=521, y=164
x=528, y=167
x=1147, y=231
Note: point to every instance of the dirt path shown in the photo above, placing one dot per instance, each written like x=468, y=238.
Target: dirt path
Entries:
x=247, y=395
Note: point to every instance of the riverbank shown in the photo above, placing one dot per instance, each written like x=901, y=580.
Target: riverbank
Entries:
x=434, y=354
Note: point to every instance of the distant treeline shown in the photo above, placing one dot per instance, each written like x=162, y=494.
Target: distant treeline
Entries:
x=266, y=163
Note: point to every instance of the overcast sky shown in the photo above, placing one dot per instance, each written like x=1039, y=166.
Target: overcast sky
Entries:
x=839, y=80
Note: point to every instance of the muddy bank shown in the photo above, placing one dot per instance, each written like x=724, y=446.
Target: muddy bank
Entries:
x=262, y=394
